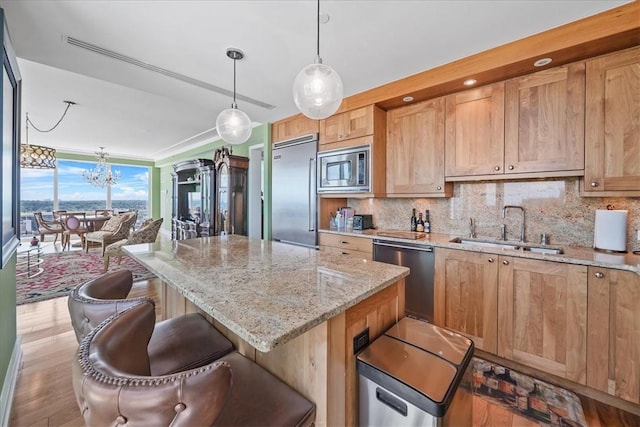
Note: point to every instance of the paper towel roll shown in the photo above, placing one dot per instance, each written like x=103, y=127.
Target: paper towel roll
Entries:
x=610, y=232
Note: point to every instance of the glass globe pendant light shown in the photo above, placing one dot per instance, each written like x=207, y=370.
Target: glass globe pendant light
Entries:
x=233, y=125
x=317, y=89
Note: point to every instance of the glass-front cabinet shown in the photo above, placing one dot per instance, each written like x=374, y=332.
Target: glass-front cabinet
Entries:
x=193, y=201
x=231, y=192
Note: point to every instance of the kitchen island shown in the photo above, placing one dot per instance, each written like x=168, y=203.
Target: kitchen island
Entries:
x=293, y=310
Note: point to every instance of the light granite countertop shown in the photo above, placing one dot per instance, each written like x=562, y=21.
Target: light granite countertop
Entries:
x=265, y=292
x=571, y=254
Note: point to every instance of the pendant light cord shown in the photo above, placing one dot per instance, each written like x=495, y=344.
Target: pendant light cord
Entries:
x=29, y=122
x=234, y=81
x=318, y=30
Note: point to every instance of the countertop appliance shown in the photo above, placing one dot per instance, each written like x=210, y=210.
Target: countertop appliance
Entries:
x=412, y=374
x=344, y=170
x=294, y=198
x=362, y=222
x=418, y=285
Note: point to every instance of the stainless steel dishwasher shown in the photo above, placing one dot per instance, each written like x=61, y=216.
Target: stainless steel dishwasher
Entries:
x=419, y=286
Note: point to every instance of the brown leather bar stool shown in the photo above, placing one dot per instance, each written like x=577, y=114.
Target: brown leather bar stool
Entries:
x=114, y=384
x=194, y=341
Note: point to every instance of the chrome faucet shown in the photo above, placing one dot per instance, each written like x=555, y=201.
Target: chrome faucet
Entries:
x=504, y=214
x=472, y=228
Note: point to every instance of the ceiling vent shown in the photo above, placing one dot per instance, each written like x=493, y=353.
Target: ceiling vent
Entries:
x=168, y=73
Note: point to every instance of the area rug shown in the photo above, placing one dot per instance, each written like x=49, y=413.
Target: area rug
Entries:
x=63, y=271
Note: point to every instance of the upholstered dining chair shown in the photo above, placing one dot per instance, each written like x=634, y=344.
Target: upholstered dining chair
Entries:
x=73, y=223
x=116, y=228
x=47, y=227
x=147, y=233
x=114, y=383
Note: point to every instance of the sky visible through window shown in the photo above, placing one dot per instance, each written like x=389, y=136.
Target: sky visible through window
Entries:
x=37, y=184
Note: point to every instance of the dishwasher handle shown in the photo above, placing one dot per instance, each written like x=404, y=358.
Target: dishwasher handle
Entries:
x=395, y=245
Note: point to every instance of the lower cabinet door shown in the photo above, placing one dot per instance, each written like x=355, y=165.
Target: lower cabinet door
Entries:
x=542, y=315
x=466, y=295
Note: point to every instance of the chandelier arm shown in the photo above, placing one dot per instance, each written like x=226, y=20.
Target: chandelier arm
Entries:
x=69, y=104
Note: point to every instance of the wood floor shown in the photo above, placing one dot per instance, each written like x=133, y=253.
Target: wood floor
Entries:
x=44, y=395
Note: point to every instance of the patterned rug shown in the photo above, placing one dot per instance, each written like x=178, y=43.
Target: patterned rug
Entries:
x=63, y=271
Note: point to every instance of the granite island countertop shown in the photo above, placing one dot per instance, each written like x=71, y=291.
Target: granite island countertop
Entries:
x=265, y=292
x=572, y=254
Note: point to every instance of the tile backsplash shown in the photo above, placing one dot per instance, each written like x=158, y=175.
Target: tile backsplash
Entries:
x=552, y=206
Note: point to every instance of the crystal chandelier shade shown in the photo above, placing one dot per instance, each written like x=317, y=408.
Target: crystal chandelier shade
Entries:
x=101, y=175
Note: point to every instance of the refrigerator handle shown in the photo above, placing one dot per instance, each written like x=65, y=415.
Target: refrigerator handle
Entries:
x=312, y=194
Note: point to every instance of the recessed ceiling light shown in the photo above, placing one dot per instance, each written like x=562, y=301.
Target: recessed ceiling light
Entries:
x=542, y=62
x=407, y=98
x=470, y=82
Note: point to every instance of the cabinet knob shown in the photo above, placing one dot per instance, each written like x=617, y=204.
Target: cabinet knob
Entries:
x=505, y=262
x=497, y=168
x=594, y=184
x=438, y=188
x=511, y=167
x=490, y=259
x=345, y=253
x=344, y=242
x=599, y=275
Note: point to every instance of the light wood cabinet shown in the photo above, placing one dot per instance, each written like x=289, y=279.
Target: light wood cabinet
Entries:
x=466, y=295
x=542, y=315
x=612, y=139
x=292, y=127
x=474, y=139
x=359, y=247
x=613, y=355
x=544, y=121
x=349, y=125
x=415, y=151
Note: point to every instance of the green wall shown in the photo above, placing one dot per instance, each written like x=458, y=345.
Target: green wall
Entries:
x=259, y=135
x=7, y=315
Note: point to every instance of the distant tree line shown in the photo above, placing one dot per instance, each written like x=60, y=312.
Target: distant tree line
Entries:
x=29, y=206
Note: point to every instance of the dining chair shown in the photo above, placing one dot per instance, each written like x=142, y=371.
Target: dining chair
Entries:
x=73, y=223
x=47, y=227
x=103, y=212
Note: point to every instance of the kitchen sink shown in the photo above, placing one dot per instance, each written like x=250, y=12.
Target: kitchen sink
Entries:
x=548, y=250
x=485, y=243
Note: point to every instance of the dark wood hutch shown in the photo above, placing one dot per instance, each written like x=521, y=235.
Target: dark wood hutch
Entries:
x=193, y=199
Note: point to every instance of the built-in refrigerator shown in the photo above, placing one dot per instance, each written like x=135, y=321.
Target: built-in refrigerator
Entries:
x=294, y=196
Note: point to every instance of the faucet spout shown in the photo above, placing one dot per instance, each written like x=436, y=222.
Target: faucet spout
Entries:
x=522, y=216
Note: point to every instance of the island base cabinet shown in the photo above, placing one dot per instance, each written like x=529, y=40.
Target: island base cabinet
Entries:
x=613, y=357
x=320, y=364
x=542, y=316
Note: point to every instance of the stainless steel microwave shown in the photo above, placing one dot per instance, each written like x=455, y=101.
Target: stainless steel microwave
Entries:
x=345, y=170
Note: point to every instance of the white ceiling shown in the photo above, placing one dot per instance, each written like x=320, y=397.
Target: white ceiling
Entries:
x=137, y=113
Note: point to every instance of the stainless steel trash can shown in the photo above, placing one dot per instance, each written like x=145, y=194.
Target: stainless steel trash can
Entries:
x=415, y=374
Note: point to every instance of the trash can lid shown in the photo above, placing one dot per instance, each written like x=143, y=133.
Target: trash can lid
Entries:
x=442, y=342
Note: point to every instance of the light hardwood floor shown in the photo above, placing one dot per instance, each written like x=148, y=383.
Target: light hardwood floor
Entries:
x=44, y=395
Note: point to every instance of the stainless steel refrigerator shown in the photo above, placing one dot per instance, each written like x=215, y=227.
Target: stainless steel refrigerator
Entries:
x=294, y=198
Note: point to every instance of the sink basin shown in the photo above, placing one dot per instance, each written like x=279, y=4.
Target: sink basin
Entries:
x=549, y=250
x=485, y=243
x=543, y=250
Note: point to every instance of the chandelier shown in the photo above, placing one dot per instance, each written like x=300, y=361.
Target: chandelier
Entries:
x=38, y=156
x=101, y=175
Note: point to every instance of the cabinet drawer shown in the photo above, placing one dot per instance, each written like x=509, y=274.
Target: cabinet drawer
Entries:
x=349, y=243
x=347, y=252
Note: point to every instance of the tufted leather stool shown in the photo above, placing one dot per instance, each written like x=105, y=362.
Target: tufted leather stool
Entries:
x=114, y=384
x=193, y=340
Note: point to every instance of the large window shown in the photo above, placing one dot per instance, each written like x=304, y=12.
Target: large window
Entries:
x=64, y=188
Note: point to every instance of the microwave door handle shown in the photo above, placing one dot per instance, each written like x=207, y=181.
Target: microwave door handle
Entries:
x=312, y=194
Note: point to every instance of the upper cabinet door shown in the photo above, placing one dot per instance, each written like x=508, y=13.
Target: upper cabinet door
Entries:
x=544, y=121
x=415, y=150
x=348, y=125
x=292, y=127
x=475, y=132
x=612, y=149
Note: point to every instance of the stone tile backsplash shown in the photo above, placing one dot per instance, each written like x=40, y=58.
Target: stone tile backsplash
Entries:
x=552, y=206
